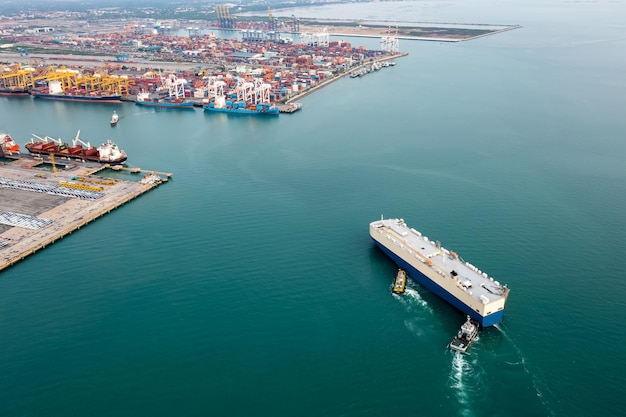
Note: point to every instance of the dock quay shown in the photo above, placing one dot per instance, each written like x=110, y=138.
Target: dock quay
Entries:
x=39, y=206
x=132, y=170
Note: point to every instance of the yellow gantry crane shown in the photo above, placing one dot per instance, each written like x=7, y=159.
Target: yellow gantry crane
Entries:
x=67, y=77
x=273, y=22
x=116, y=84
x=17, y=76
x=54, y=167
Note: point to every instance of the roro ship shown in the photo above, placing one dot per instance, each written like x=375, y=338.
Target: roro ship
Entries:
x=107, y=153
x=442, y=271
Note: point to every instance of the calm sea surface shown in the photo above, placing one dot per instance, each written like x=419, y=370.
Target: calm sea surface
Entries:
x=248, y=285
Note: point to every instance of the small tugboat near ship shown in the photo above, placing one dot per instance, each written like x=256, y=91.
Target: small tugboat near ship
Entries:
x=108, y=152
x=399, y=284
x=465, y=337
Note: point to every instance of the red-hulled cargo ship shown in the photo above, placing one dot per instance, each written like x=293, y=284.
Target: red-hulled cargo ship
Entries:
x=107, y=153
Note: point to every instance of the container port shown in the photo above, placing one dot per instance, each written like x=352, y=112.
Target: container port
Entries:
x=128, y=64
x=40, y=205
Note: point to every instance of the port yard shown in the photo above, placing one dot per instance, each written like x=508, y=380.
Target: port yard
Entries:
x=126, y=61
x=127, y=57
x=39, y=206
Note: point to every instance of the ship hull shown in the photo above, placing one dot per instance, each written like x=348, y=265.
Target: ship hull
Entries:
x=93, y=158
x=78, y=98
x=268, y=112
x=14, y=93
x=413, y=272
x=184, y=105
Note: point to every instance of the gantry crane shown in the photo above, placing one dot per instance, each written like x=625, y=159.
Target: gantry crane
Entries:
x=294, y=22
x=224, y=18
x=273, y=23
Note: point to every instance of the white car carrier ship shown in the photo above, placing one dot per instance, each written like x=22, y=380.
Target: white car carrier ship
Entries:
x=442, y=271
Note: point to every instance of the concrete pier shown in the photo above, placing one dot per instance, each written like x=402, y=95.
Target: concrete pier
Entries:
x=49, y=205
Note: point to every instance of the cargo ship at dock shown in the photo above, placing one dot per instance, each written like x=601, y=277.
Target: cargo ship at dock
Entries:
x=220, y=105
x=144, y=99
x=441, y=271
x=107, y=153
x=173, y=99
x=8, y=145
x=258, y=110
x=249, y=97
x=14, y=92
x=55, y=92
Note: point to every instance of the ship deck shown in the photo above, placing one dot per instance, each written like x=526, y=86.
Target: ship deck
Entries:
x=447, y=263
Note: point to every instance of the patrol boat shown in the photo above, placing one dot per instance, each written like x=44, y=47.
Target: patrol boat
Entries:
x=442, y=271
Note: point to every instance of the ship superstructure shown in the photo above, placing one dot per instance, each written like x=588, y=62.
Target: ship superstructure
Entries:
x=8, y=145
x=442, y=271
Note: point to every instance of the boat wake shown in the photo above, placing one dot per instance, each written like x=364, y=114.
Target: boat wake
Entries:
x=464, y=381
x=538, y=386
x=414, y=301
x=414, y=304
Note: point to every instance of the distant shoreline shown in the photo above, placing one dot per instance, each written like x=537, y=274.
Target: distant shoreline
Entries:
x=433, y=33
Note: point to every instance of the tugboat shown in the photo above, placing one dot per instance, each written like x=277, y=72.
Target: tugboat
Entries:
x=399, y=284
x=114, y=119
x=465, y=337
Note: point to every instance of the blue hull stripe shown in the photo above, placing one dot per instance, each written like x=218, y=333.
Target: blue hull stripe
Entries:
x=432, y=286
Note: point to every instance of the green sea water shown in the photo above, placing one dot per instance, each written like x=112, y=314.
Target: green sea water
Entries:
x=248, y=284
